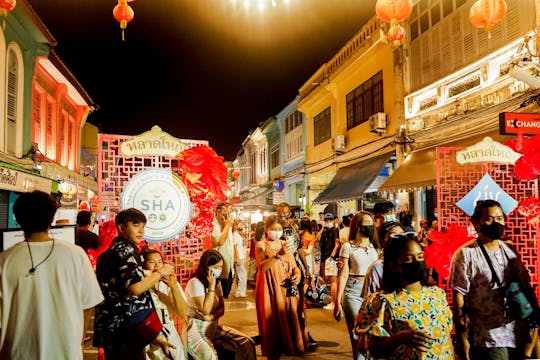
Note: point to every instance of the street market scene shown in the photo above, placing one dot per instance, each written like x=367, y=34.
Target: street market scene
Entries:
x=269, y=179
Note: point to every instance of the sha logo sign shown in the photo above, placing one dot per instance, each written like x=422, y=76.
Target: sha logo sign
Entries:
x=163, y=198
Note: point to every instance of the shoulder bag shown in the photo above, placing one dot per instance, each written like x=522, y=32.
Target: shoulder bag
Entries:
x=516, y=304
x=145, y=325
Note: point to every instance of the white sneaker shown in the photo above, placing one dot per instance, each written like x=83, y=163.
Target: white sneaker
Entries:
x=329, y=306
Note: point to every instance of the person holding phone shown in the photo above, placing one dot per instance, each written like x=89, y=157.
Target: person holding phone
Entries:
x=222, y=241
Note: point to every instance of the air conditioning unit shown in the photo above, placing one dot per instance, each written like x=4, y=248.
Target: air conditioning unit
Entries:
x=377, y=123
x=339, y=144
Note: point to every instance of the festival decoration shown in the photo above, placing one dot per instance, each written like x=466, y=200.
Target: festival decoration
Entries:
x=527, y=167
x=205, y=176
x=5, y=7
x=444, y=244
x=123, y=13
x=530, y=208
x=396, y=34
x=235, y=174
x=487, y=13
x=107, y=232
x=394, y=12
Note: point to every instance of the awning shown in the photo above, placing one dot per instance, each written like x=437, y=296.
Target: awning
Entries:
x=419, y=170
x=352, y=181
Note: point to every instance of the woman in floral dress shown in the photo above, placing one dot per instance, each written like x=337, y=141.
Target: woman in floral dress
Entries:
x=279, y=313
x=407, y=320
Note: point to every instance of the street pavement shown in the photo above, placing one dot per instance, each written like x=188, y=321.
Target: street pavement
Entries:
x=240, y=314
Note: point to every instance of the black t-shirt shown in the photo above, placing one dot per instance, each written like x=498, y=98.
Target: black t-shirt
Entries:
x=87, y=240
x=328, y=241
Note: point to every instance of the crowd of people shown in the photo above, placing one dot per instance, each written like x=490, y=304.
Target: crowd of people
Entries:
x=373, y=265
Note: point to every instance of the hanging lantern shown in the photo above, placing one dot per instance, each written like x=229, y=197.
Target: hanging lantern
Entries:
x=123, y=13
x=235, y=174
x=487, y=13
x=393, y=11
x=396, y=34
x=5, y=7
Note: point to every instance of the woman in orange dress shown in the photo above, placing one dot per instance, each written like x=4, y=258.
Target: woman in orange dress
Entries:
x=278, y=310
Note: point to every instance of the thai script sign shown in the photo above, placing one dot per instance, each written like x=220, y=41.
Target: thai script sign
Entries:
x=15, y=180
x=487, y=150
x=162, y=196
x=154, y=142
x=519, y=123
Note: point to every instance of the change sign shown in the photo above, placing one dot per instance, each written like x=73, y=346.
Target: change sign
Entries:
x=519, y=123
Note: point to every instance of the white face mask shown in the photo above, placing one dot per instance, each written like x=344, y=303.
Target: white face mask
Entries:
x=388, y=218
x=217, y=272
x=330, y=225
x=275, y=235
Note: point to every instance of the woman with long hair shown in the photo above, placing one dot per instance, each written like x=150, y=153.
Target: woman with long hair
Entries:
x=279, y=314
x=205, y=306
x=169, y=298
x=356, y=255
x=407, y=320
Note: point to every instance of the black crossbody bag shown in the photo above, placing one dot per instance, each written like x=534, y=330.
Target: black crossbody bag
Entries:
x=516, y=304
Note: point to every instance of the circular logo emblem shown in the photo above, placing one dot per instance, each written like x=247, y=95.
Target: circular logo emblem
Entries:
x=163, y=198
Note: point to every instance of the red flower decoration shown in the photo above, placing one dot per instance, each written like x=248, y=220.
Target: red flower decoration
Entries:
x=107, y=232
x=439, y=254
x=527, y=167
x=530, y=208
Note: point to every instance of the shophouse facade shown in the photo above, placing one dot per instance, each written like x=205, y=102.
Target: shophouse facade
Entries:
x=458, y=79
x=351, y=120
x=42, y=114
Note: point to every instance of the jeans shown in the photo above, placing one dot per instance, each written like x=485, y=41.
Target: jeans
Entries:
x=497, y=353
x=241, y=277
x=352, y=301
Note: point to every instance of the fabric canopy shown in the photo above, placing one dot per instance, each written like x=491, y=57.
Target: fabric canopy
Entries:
x=352, y=181
x=419, y=170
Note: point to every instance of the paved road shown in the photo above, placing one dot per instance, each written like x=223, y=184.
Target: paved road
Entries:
x=240, y=314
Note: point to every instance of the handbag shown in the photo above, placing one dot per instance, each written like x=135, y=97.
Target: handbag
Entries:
x=316, y=290
x=516, y=303
x=145, y=325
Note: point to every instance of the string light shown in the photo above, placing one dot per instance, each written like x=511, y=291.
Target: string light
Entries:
x=260, y=5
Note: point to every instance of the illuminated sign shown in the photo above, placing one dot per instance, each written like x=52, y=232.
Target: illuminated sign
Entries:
x=486, y=189
x=487, y=150
x=151, y=143
x=162, y=196
x=519, y=123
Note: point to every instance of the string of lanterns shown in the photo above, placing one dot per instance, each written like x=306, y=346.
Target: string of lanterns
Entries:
x=5, y=7
x=487, y=13
x=123, y=13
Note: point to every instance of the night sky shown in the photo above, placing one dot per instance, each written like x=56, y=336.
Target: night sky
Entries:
x=200, y=69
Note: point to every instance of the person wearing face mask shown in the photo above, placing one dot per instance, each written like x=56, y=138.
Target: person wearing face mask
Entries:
x=357, y=255
x=407, y=320
x=330, y=244
x=207, y=340
x=384, y=212
x=279, y=311
x=478, y=301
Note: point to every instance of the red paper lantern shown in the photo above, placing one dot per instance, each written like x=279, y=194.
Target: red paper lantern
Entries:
x=393, y=11
x=235, y=174
x=123, y=13
x=396, y=34
x=5, y=7
x=487, y=13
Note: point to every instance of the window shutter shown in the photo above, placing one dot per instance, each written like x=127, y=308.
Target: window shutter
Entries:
x=12, y=87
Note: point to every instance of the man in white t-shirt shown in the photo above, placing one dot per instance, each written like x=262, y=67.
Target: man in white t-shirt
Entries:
x=222, y=241
x=45, y=287
x=240, y=259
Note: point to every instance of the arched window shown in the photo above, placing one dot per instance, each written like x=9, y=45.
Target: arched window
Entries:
x=14, y=100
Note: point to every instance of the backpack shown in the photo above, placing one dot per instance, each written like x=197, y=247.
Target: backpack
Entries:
x=328, y=238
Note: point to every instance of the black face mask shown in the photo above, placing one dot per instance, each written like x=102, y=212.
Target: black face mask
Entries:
x=413, y=271
x=366, y=230
x=493, y=231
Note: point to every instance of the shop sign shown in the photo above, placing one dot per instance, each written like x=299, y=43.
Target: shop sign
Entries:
x=162, y=196
x=68, y=200
x=15, y=180
x=487, y=150
x=487, y=189
x=519, y=123
x=154, y=142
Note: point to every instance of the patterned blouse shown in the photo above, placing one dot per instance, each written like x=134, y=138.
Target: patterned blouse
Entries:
x=118, y=268
x=386, y=314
